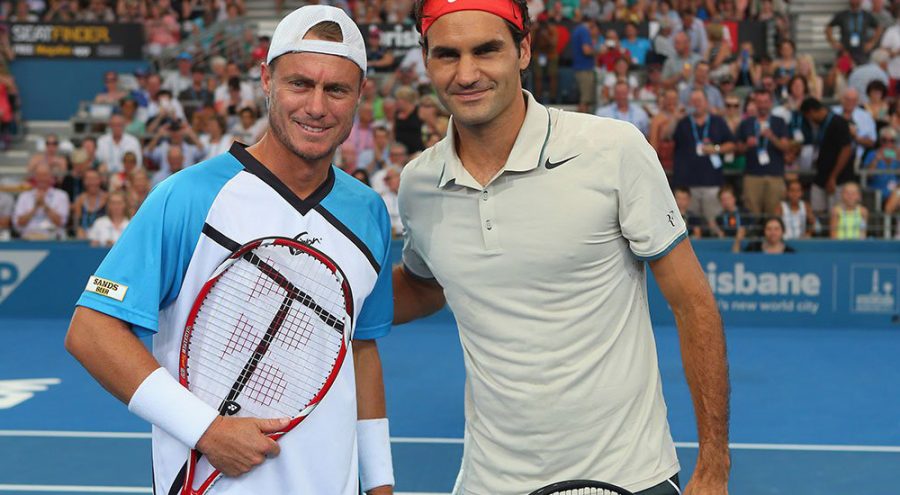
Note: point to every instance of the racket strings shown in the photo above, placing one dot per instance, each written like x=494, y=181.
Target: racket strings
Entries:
x=233, y=320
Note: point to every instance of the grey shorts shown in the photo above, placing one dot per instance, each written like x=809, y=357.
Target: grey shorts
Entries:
x=668, y=487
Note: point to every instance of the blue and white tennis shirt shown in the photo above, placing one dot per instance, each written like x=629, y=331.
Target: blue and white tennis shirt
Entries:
x=187, y=226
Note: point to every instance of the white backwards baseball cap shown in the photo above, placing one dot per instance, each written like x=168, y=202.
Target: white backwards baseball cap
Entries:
x=288, y=36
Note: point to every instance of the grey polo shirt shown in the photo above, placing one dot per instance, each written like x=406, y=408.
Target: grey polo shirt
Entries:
x=542, y=269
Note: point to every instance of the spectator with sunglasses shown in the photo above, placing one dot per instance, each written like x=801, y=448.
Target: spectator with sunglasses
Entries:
x=51, y=157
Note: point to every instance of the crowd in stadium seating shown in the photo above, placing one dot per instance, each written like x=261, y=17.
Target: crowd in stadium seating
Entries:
x=745, y=132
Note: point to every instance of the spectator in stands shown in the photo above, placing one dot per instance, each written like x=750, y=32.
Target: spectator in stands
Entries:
x=61, y=11
x=567, y=8
x=763, y=139
x=663, y=44
x=215, y=141
x=862, y=125
x=97, y=11
x=140, y=93
x=584, y=41
x=198, y=94
x=891, y=206
x=833, y=163
x=877, y=106
x=399, y=157
x=885, y=163
x=623, y=109
x=544, y=60
x=389, y=195
x=665, y=13
x=860, y=32
x=114, y=144
x=678, y=69
x=112, y=93
x=73, y=182
x=181, y=79
x=229, y=107
x=361, y=135
x=361, y=175
x=875, y=70
x=249, y=128
x=729, y=222
x=797, y=216
x=7, y=203
x=108, y=228
x=377, y=157
x=637, y=46
x=630, y=11
x=700, y=140
x=434, y=120
x=806, y=68
x=611, y=51
x=41, y=213
x=174, y=163
x=891, y=43
x=23, y=13
x=174, y=135
x=161, y=28
x=407, y=124
x=50, y=157
x=163, y=108
x=799, y=154
x=715, y=102
x=130, y=11
x=746, y=70
x=881, y=13
x=121, y=180
x=772, y=241
x=718, y=52
x=377, y=56
x=231, y=72
x=88, y=206
x=694, y=29
x=849, y=218
x=650, y=92
x=128, y=108
x=137, y=191
x=786, y=63
x=389, y=108
x=617, y=75
x=347, y=159
x=694, y=223
x=663, y=126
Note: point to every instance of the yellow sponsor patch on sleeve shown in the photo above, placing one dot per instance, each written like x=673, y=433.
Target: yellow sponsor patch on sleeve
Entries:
x=106, y=288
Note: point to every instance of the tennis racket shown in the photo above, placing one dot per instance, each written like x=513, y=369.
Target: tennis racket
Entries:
x=581, y=487
x=266, y=338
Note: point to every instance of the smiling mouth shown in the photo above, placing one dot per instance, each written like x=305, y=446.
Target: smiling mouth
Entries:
x=312, y=129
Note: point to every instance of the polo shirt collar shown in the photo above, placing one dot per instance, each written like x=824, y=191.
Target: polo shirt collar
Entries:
x=525, y=155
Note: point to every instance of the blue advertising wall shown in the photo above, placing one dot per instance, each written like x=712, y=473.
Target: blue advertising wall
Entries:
x=51, y=89
x=830, y=284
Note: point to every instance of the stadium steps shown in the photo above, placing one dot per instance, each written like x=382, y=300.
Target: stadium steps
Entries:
x=262, y=13
x=811, y=17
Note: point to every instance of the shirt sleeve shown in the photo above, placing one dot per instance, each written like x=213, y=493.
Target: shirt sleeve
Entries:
x=648, y=215
x=146, y=266
x=836, y=20
x=377, y=313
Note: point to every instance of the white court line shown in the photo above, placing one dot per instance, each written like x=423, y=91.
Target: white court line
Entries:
x=459, y=441
x=109, y=489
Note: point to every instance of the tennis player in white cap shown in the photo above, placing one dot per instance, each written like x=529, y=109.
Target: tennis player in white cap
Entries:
x=284, y=185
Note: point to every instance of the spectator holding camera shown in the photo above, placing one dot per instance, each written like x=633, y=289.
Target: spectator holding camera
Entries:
x=175, y=134
x=884, y=160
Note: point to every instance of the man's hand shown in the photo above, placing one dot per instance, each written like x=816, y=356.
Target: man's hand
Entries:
x=751, y=141
x=234, y=446
x=831, y=185
x=381, y=490
x=702, y=483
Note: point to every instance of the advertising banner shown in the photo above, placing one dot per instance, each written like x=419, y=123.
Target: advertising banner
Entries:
x=77, y=40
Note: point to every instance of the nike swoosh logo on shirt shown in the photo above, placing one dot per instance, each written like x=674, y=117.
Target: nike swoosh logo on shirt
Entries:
x=550, y=165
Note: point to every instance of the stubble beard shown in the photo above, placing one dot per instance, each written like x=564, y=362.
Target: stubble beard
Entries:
x=284, y=138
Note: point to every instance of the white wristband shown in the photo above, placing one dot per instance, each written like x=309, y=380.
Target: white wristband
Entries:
x=164, y=402
x=373, y=440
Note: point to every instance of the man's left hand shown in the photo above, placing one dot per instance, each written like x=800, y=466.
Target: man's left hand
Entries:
x=707, y=480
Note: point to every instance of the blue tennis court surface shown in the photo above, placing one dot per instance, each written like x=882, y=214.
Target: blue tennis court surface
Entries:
x=813, y=411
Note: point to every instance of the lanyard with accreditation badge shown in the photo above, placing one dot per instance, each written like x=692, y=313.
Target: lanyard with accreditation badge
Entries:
x=715, y=159
x=762, y=145
x=855, y=34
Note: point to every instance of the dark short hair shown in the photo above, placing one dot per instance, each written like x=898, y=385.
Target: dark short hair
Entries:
x=682, y=189
x=775, y=219
x=876, y=85
x=517, y=34
x=810, y=105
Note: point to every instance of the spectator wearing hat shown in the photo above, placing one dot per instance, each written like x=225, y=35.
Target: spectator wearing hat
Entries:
x=875, y=70
x=377, y=57
x=860, y=31
x=181, y=79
